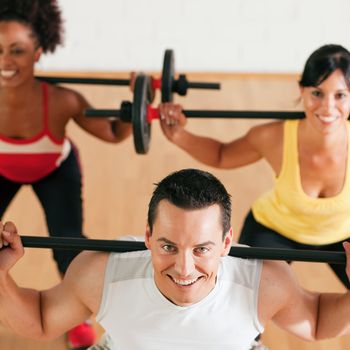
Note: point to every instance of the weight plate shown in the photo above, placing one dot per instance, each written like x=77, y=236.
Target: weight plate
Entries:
x=141, y=127
x=168, y=76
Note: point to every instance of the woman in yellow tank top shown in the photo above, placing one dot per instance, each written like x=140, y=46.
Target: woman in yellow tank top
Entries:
x=309, y=206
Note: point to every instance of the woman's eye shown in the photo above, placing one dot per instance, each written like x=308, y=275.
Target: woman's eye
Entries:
x=17, y=52
x=316, y=93
x=341, y=95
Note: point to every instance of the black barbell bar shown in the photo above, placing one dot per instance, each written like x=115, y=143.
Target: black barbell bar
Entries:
x=153, y=113
x=80, y=244
x=141, y=114
x=167, y=83
x=88, y=81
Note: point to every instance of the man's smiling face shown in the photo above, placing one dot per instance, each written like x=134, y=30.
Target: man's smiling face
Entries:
x=186, y=246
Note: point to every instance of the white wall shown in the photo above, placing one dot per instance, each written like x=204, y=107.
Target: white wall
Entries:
x=207, y=35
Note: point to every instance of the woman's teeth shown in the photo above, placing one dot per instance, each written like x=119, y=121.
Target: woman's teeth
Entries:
x=327, y=119
x=7, y=73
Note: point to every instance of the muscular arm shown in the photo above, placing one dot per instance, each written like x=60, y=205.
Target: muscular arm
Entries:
x=240, y=152
x=48, y=314
x=20, y=308
x=77, y=297
x=111, y=131
x=39, y=314
x=68, y=104
x=309, y=315
x=260, y=142
x=334, y=315
x=334, y=309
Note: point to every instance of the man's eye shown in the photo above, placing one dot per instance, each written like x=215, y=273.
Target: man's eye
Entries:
x=201, y=250
x=169, y=248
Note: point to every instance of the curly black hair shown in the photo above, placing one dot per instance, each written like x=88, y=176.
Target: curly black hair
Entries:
x=43, y=16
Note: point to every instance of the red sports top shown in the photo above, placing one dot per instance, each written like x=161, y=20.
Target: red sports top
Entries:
x=29, y=160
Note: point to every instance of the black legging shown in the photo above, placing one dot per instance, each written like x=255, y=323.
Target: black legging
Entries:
x=257, y=235
x=60, y=196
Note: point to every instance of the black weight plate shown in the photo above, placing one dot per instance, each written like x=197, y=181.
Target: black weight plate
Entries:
x=141, y=127
x=151, y=93
x=168, y=76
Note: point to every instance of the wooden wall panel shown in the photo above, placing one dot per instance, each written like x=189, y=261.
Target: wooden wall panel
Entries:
x=118, y=184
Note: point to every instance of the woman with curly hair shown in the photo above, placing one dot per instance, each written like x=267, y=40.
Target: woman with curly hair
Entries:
x=34, y=148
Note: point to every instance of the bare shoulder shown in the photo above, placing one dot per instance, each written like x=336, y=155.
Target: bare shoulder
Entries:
x=268, y=139
x=64, y=98
x=89, y=263
x=277, y=285
x=85, y=277
x=266, y=133
x=276, y=271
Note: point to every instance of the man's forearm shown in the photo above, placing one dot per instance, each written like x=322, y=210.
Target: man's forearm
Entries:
x=333, y=315
x=20, y=308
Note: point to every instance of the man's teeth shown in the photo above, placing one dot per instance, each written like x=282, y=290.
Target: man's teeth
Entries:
x=184, y=282
x=327, y=119
x=8, y=73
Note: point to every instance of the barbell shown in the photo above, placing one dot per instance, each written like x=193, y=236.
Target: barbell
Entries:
x=167, y=83
x=80, y=244
x=140, y=113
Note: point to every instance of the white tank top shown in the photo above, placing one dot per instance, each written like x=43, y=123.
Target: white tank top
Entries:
x=138, y=317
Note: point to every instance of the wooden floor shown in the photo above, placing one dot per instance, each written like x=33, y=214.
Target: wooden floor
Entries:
x=118, y=184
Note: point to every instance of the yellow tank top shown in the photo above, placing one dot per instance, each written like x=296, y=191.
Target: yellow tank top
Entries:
x=288, y=210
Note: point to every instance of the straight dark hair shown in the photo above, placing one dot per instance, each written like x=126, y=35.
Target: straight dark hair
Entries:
x=323, y=62
x=191, y=189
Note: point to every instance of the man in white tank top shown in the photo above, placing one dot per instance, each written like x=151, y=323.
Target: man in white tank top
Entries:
x=184, y=292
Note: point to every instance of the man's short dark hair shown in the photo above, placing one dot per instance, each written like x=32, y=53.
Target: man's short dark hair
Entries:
x=191, y=189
